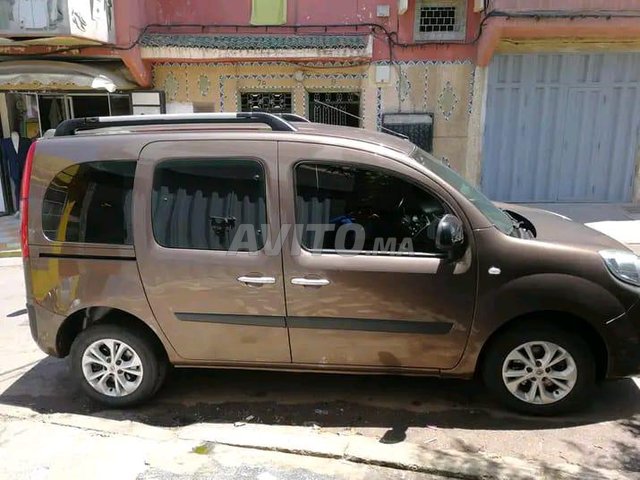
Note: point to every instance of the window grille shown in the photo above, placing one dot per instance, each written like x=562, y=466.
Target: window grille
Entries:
x=440, y=20
x=270, y=102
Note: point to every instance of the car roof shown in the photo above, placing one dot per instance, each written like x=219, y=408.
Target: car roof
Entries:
x=285, y=127
x=360, y=134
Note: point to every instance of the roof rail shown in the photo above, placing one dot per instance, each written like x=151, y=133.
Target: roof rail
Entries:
x=70, y=127
x=293, y=117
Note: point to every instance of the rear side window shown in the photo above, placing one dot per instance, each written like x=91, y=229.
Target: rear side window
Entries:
x=203, y=204
x=90, y=203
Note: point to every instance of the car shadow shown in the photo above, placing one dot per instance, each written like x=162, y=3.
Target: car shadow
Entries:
x=303, y=399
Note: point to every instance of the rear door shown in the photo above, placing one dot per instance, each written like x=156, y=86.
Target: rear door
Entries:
x=201, y=212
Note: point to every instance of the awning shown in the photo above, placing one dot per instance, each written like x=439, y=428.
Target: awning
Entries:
x=54, y=75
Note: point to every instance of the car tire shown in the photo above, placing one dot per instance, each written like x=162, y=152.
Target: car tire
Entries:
x=163, y=372
x=145, y=368
x=563, y=387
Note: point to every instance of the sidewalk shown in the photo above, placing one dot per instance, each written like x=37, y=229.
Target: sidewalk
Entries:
x=67, y=444
x=9, y=236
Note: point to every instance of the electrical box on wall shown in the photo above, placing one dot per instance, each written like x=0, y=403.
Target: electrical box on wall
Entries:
x=383, y=73
x=418, y=127
x=148, y=102
x=383, y=11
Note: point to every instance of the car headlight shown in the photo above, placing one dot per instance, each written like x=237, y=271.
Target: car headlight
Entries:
x=623, y=265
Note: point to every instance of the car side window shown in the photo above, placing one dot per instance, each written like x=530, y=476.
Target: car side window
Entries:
x=358, y=208
x=204, y=203
x=90, y=203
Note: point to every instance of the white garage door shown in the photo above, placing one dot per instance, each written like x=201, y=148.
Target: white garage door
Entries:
x=562, y=127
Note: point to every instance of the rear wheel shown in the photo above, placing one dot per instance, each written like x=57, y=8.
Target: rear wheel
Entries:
x=540, y=370
x=116, y=366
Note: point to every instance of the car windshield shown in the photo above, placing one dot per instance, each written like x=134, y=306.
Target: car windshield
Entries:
x=496, y=216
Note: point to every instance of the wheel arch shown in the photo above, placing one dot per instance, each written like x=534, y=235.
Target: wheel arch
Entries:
x=565, y=321
x=86, y=317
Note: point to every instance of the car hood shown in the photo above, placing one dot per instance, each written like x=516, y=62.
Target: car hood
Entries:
x=552, y=227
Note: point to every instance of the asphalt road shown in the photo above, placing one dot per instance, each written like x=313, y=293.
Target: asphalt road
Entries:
x=434, y=413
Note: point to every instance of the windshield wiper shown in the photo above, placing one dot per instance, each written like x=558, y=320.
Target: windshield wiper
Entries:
x=517, y=224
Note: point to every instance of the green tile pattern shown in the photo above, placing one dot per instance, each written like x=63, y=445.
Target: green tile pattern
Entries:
x=256, y=42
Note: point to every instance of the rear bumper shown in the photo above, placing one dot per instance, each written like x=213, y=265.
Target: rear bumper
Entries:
x=44, y=327
x=623, y=341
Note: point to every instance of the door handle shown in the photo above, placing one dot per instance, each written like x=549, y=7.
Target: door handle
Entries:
x=310, y=282
x=257, y=280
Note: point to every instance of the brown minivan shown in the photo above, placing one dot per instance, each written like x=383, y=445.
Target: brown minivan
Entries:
x=257, y=241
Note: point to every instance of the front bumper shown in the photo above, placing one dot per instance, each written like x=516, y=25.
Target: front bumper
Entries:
x=623, y=342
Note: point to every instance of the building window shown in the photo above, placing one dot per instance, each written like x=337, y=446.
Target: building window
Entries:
x=268, y=12
x=270, y=102
x=335, y=108
x=202, y=204
x=440, y=20
x=418, y=127
x=90, y=203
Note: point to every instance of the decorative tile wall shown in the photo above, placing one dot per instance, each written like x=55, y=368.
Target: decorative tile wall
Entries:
x=222, y=83
x=439, y=87
x=447, y=101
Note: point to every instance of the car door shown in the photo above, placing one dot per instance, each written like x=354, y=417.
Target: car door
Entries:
x=201, y=212
x=389, y=306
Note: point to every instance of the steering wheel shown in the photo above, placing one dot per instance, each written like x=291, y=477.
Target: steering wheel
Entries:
x=417, y=223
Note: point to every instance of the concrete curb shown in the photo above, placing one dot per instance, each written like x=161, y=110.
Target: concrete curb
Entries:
x=10, y=253
x=401, y=456
x=308, y=442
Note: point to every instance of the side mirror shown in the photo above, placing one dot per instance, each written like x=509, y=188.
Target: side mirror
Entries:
x=449, y=233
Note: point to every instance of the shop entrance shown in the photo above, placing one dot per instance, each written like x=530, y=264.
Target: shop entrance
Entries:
x=29, y=115
x=53, y=110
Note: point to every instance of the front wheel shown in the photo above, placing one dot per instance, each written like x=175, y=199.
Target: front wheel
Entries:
x=540, y=370
x=116, y=366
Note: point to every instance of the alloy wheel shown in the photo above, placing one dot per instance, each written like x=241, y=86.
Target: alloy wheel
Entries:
x=112, y=367
x=539, y=373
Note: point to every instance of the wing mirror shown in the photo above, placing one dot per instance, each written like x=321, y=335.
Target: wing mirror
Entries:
x=449, y=234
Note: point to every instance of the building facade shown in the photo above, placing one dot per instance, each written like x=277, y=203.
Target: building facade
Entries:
x=376, y=64
x=534, y=101
x=59, y=59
